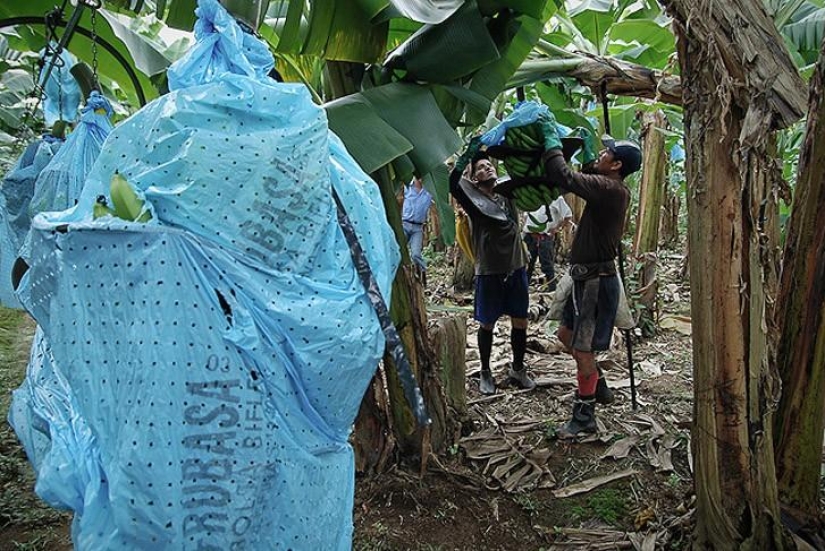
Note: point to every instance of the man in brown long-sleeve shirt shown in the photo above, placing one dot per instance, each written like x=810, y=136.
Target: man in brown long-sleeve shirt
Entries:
x=590, y=311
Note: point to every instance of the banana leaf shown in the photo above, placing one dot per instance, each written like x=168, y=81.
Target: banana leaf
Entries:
x=339, y=30
x=181, y=14
x=150, y=58
x=15, y=85
x=369, y=139
x=593, y=19
x=654, y=43
x=807, y=33
x=437, y=183
x=403, y=169
x=466, y=96
x=464, y=35
x=490, y=80
x=413, y=112
x=333, y=29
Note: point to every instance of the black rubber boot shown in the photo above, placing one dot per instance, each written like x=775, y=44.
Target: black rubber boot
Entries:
x=486, y=384
x=583, y=421
x=604, y=395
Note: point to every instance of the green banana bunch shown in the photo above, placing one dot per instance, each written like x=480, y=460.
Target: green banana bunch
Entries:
x=127, y=204
x=527, y=138
x=530, y=197
x=101, y=208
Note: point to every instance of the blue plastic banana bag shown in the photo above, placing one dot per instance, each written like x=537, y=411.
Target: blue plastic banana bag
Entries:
x=525, y=112
x=197, y=376
x=61, y=92
x=16, y=192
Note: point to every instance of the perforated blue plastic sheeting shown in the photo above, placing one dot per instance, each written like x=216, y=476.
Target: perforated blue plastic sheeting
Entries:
x=59, y=184
x=217, y=355
x=525, y=112
x=61, y=92
x=16, y=193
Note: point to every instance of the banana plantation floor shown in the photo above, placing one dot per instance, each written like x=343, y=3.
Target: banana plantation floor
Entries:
x=509, y=484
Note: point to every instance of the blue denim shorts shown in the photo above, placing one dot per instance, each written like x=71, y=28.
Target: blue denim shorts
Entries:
x=498, y=295
x=592, y=321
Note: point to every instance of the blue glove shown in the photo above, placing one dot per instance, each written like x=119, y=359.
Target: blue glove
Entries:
x=472, y=150
x=547, y=123
x=589, y=145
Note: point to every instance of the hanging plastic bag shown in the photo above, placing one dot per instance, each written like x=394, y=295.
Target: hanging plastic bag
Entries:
x=59, y=185
x=219, y=353
x=61, y=91
x=16, y=192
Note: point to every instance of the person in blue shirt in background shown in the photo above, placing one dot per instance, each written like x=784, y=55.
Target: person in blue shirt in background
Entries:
x=417, y=201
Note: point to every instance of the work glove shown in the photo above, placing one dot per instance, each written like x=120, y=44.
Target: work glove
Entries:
x=547, y=124
x=588, y=145
x=472, y=150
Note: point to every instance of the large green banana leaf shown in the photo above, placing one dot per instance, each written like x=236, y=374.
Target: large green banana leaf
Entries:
x=412, y=110
x=333, y=29
x=150, y=56
x=654, y=42
x=343, y=30
x=437, y=183
x=591, y=20
x=371, y=141
x=464, y=35
x=15, y=85
x=558, y=97
x=807, y=33
x=81, y=46
x=489, y=81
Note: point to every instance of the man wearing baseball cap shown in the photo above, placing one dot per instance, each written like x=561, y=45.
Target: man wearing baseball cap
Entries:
x=590, y=310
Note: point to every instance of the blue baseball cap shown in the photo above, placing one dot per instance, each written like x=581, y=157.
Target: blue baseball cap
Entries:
x=625, y=151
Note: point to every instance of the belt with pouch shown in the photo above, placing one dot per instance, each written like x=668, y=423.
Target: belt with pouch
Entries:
x=583, y=272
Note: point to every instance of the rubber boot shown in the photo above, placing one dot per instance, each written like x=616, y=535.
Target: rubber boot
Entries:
x=604, y=395
x=521, y=379
x=583, y=421
x=486, y=384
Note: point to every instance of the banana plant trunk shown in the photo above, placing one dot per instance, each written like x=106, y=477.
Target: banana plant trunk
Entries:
x=646, y=240
x=386, y=425
x=728, y=51
x=800, y=315
x=669, y=225
x=652, y=187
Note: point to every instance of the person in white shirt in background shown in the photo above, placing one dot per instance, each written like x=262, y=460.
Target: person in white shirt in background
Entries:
x=540, y=227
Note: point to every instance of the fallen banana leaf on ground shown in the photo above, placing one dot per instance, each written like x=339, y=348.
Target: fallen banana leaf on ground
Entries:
x=621, y=448
x=682, y=324
x=659, y=457
x=512, y=464
x=573, y=538
x=655, y=428
x=589, y=484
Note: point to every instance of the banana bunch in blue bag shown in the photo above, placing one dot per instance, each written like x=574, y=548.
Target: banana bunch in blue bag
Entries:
x=126, y=203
